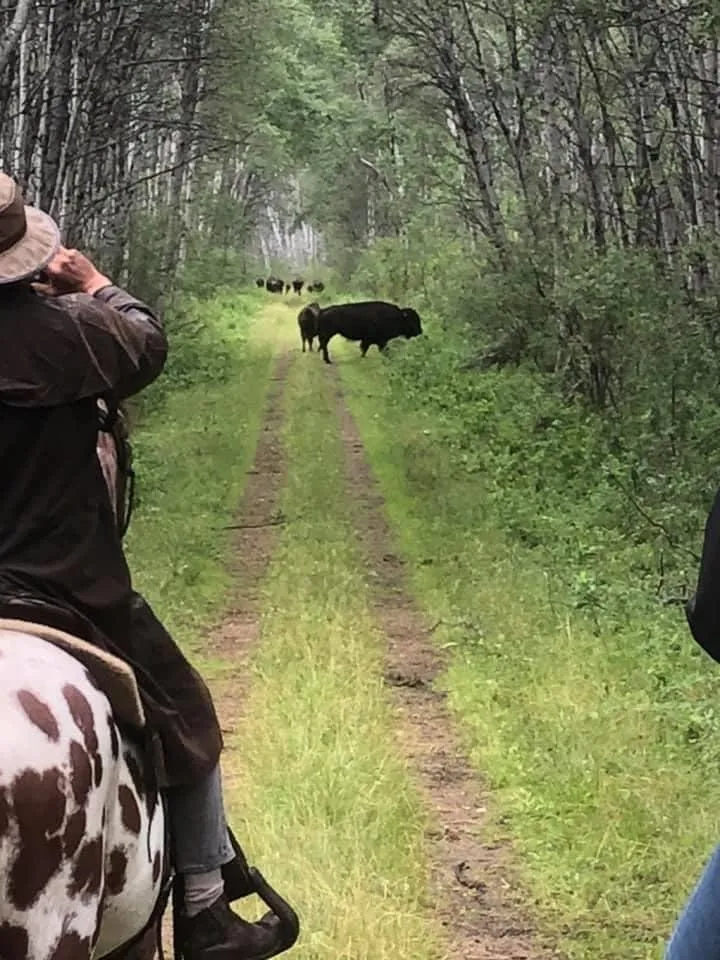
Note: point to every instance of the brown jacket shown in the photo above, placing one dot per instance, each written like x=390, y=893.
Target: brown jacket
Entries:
x=58, y=539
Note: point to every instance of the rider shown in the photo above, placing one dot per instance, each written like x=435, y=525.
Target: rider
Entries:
x=64, y=346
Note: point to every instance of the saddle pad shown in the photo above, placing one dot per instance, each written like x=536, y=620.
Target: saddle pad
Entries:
x=114, y=677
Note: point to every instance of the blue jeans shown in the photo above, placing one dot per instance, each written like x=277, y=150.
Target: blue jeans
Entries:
x=197, y=823
x=697, y=932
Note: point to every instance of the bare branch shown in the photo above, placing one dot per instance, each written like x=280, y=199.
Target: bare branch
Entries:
x=15, y=31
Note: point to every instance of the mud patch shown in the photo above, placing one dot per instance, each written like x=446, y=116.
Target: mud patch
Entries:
x=476, y=897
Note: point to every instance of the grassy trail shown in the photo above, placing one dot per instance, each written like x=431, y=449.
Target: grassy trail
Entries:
x=334, y=790
x=591, y=732
x=328, y=805
x=314, y=781
x=331, y=789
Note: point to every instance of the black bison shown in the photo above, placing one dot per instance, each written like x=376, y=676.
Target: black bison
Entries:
x=316, y=287
x=288, y=288
x=308, y=323
x=259, y=282
x=274, y=285
x=297, y=286
x=370, y=322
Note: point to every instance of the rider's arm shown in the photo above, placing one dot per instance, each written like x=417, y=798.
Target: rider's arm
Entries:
x=118, y=343
x=110, y=343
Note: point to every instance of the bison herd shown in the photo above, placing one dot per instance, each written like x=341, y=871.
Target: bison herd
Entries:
x=370, y=322
x=276, y=285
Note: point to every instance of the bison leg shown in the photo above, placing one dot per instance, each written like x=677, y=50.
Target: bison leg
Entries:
x=310, y=344
x=303, y=344
x=364, y=347
x=324, y=347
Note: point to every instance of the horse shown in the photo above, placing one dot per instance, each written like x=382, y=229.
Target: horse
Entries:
x=84, y=866
x=85, y=871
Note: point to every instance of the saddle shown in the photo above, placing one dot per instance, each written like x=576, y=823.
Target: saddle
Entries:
x=113, y=676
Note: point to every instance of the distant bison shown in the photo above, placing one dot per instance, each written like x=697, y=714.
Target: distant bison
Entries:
x=297, y=286
x=316, y=287
x=274, y=285
x=259, y=282
x=370, y=322
x=308, y=323
x=288, y=287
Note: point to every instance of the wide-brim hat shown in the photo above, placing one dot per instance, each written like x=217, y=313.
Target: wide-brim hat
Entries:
x=29, y=238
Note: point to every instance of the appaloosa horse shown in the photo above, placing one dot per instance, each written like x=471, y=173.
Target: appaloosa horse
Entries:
x=82, y=837
x=84, y=866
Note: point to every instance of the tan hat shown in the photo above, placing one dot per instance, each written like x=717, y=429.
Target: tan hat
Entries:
x=29, y=238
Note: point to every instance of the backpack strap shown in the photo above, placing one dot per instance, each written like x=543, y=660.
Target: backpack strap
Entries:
x=113, y=422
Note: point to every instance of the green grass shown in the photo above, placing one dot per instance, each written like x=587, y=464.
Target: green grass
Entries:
x=597, y=738
x=330, y=812
x=192, y=453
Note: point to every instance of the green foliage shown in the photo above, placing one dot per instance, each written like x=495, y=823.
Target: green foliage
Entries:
x=197, y=356
x=211, y=271
x=144, y=268
x=635, y=466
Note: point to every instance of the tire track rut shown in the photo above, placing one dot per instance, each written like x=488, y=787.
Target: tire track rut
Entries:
x=255, y=533
x=476, y=899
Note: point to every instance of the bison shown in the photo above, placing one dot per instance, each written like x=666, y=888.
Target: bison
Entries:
x=317, y=287
x=308, y=323
x=297, y=286
x=259, y=282
x=370, y=322
x=274, y=285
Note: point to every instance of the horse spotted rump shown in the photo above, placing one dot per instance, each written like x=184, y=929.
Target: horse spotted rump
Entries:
x=80, y=855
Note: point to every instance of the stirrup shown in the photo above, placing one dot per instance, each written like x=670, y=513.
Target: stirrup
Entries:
x=236, y=873
x=288, y=927
x=242, y=880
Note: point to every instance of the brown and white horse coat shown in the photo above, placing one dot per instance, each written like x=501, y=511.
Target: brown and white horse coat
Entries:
x=80, y=856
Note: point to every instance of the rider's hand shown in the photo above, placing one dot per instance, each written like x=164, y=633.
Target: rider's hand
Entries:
x=70, y=271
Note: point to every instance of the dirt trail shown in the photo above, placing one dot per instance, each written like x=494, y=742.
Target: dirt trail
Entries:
x=254, y=536
x=472, y=886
